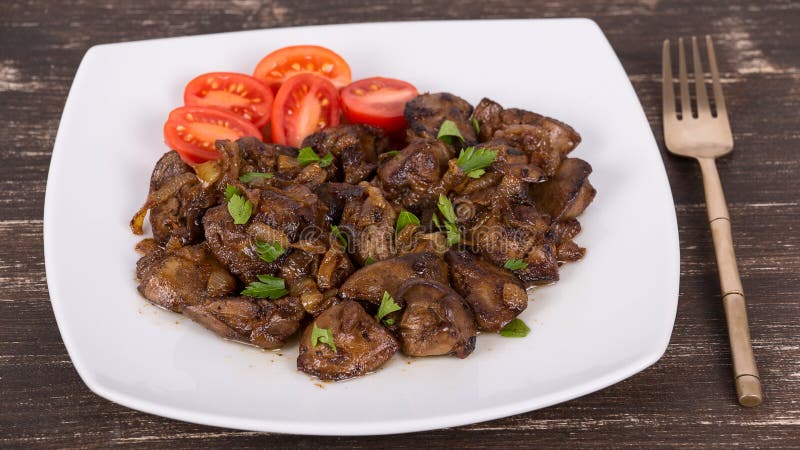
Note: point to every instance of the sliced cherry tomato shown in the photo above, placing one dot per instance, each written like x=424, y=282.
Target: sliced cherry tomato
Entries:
x=192, y=130
x=236, y=92
x=306, y=103
x=378, y=101
x=284, y=63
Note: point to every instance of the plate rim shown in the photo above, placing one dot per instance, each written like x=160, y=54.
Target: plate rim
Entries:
x=347, y=428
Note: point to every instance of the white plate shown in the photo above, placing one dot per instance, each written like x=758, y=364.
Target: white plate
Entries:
x=608, y=318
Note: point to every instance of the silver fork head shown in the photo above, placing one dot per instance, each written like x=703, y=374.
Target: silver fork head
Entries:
x=706, y=134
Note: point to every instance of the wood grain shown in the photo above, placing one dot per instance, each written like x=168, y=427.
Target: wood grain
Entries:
x=686, y=399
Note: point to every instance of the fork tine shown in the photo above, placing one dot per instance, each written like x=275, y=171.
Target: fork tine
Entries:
x=667, y=91
x=686, y=103
x=699, y=82
x=719, y=100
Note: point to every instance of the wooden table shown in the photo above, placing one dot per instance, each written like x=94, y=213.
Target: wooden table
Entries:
x=685, y=399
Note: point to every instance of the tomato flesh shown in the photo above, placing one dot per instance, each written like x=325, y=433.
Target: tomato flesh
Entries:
x=192, y=131
x=241, y=94
x=282, y=64
x=305, y=104
x=378, y=101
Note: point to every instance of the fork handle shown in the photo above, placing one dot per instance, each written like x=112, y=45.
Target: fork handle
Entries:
x=748, y=384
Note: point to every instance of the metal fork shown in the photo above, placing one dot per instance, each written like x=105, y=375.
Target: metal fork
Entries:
x=705, y=137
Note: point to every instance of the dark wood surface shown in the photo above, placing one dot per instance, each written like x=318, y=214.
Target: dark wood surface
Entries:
x=686, y=399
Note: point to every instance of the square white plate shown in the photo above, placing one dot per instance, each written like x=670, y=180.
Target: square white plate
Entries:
x=608, y=318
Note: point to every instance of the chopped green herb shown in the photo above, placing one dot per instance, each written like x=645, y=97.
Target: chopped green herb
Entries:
x=267, y=286
x=240, y=209
x=393, y=152
x=368, y=261
x=476, y=125
x=387, y=307
x=405, y=218
x=515, y=264
x=435, y=220
x=326, y=160
x=338, y=235
x=324, y=335
x=230, y=191
x=516, y=328
x=446, y=208
x=450, y=220
x=388, y=321
x=269, y=252
x=453, y=234
x=447, y=131
x=307, y=156
x=250, y=176
x=472, y=161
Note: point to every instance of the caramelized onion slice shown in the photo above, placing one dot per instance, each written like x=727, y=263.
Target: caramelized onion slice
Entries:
x=208, y=172
x=168, y=190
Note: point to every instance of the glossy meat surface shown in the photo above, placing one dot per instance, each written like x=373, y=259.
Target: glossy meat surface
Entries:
x=263, y=323
x=177, y=219
x=334, y=268
x=187, y=276
x=355, y=146
x=336, y=195
x=234, y=245
x=546, y=140
x=248, y=155
x=435, y=320
x=426, y=113
x=362, y=344
x=568, y=193
x=502, y=224
x=495, y=295
x=368, y=283
x=368, y=222
x=411, y=178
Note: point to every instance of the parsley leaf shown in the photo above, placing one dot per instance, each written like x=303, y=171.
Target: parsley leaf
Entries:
x=307, y=156
x=435, y=220
x=405, y=218
x=389, y=321
x=477, y=173
x=240, y=209
x=450, y=220
x=515, y=264
x=269, y=252
x=338, y=235
x=368, y=261
x=324, y=335
x=453, y=235
x=326, y=160
x=447, y=131
x=230, y=191
x=446, y=208
x=388, y=306
x=250, y=176
x=472, y=161
x=476, y=125
x=267, y=286
x=393, y=152
x=516, y=328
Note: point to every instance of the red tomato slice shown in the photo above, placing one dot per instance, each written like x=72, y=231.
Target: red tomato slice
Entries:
x=192, y=130
x=378, y=101
x=305, y=104
x=236, y=92
x=284, y=63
